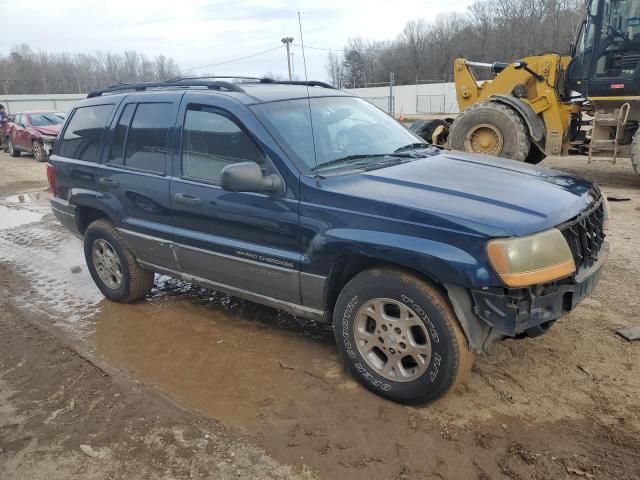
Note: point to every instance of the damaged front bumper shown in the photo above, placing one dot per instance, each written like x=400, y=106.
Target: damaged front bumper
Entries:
x=494, y=313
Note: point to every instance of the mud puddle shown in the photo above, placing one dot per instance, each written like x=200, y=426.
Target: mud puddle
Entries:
x=272, y=376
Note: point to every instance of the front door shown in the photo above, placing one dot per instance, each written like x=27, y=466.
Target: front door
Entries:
x=246, y=241
x=134, y=176
x=22, y=138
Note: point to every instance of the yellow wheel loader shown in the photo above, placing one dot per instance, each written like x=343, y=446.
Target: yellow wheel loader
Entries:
x=540, y=105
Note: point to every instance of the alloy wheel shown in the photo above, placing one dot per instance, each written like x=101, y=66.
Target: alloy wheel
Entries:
x=107, y=263
x=392, y=339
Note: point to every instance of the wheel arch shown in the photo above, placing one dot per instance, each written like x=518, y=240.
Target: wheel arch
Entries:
x=85, y=215
x=436, y=262
x=534, y=123
x=479, y=335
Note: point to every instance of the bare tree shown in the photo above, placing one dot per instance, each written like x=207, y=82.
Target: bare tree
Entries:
x=490, y=30
x=23, y=71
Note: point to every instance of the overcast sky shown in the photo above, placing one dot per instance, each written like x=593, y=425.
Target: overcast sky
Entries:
x=204, y=32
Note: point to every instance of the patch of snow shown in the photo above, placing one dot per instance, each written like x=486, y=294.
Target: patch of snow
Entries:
x=15, y=217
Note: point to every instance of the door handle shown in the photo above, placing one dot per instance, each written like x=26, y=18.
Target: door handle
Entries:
x=187, y=199
x=108, y=182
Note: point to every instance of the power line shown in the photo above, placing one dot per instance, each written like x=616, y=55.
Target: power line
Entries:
x=234, y=59
x=318, y=48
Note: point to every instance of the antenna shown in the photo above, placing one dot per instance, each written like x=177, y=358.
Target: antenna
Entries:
x=306, y=78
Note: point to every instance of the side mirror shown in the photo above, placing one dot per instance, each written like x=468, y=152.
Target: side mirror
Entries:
x=248, y=177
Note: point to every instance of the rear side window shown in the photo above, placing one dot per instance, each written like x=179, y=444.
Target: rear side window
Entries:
x=146, y=140
x=116, y=154
x=211, y=141
x=82, y=136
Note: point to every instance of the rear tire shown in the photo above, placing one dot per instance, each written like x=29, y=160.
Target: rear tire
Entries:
x=112, y=265
x=38, y=152
x=491, y=128
x=398, y=335
x=11, y=149
x=426, y=128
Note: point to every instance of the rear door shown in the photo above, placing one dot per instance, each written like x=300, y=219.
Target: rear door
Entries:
x=133, y=177
x=246, y=241
x=77, y=153
x=18, y=132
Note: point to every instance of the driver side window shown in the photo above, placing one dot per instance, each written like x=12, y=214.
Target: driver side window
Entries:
x=211, y=140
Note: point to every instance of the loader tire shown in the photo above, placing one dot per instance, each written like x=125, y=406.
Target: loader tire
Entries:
x=426, y=128
x=491, y=128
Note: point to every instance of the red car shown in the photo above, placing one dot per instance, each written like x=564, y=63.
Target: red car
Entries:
x=34, y=132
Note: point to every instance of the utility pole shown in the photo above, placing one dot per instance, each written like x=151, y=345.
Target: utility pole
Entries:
x=293, y=66
x=287, y=41
x=391, y=99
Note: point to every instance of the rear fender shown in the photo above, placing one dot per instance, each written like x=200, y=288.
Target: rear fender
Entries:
x=80, y=197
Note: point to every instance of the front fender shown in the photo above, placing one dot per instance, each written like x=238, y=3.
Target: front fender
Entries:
x=533, y=121
x=442, y=262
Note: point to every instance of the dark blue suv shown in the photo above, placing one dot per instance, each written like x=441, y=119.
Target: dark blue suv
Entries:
x=313, y=201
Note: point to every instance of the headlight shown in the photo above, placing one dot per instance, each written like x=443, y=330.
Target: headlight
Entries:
x=531, y=260
x=49, y=138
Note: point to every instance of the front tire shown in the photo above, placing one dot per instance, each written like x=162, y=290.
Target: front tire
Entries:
x=112, y=265
x=38, y=152
x=491, y=128
x=398, y=335
x=11, y=149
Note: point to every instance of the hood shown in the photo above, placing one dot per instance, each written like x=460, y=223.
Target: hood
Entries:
x=53, y=130
x=488, y=195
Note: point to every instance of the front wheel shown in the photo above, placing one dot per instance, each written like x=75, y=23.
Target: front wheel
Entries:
x=113, y=266
x=38, y=152
x=399, y=337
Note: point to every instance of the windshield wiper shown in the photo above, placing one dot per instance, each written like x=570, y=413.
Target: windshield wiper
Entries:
x=364, y=156
x=412, y=146
x=348, y=159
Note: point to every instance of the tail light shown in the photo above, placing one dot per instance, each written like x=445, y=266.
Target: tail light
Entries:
x=51, y=177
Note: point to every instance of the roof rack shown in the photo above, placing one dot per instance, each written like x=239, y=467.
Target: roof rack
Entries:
x=205, y=82
x=138, y=87
x=309, y=83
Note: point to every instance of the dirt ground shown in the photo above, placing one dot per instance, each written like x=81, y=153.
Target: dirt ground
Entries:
x=196, y=384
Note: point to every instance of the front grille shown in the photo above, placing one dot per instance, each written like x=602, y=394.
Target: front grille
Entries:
x=585, y=235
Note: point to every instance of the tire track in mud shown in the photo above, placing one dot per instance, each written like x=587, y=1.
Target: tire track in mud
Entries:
x=44, y=254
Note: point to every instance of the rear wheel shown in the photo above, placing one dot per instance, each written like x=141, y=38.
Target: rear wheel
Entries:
x=426, y=128
x=11, y=149
x=399, y=337
x=491, y=128
x=38, y=152
x=112, y=265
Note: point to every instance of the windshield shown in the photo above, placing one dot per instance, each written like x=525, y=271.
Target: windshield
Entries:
x=45, y=119
x=621, y=18
x=342, y=127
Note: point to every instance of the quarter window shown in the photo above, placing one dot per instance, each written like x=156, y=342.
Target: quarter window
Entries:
x=82, y=136
x=211, y=141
